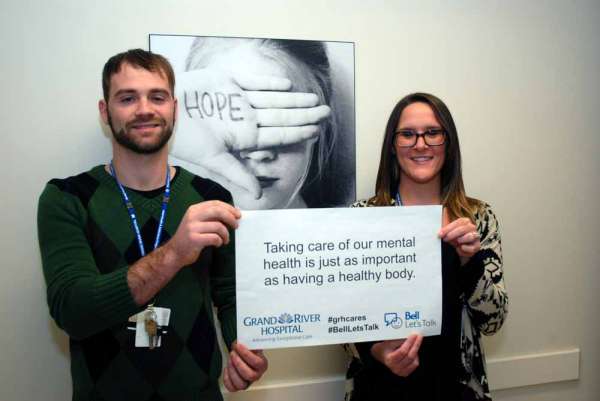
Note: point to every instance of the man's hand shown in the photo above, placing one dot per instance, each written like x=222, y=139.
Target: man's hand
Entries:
x=462, y=234
x=204, y=224
x=243, y=368
x=220, y=115
x=400, y=356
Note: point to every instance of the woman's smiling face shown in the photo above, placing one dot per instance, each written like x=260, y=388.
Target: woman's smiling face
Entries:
x=420, y=163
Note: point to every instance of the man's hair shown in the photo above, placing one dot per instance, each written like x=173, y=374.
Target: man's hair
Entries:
x=138, y=58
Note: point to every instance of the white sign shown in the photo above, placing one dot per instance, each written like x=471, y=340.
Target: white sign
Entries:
x=325, y=276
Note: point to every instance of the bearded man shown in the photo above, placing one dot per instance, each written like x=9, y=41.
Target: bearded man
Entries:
x=136, y=253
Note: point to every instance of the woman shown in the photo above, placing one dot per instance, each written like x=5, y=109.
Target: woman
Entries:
x=421, y=165
x=288, y=173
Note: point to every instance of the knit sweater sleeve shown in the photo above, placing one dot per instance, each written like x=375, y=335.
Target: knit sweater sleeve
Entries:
x=482, y=278
x=222, y=278
x=81, y=300
x=223, y=289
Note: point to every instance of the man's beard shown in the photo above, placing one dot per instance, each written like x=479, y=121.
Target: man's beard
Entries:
x=128, y=141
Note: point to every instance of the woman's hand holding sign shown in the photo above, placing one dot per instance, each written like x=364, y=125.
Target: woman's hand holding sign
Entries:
x=400, y=356
x=462, y=234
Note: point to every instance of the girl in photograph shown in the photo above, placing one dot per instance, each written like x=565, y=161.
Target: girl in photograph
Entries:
x=272, y=144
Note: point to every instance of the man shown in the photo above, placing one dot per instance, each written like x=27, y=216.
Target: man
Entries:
x=135, y=253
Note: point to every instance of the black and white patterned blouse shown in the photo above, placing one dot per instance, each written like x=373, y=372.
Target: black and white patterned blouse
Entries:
x=484, y=305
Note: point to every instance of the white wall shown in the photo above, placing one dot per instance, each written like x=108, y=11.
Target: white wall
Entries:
x=520, y=78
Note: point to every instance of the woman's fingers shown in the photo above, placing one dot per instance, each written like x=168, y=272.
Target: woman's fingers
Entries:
x=400, y=356
x=269, y=137
x=258, y=82
x=281, y=100
x=291, y=117
x=458, y=227
x=406, y=358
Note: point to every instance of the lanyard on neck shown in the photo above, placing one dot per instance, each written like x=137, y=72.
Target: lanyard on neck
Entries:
x=132, y=215
x=398, y=199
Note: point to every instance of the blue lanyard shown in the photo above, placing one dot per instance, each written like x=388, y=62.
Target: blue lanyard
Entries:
x=132, y=215
x=398, y=200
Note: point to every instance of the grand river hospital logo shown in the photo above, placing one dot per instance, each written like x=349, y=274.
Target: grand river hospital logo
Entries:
x=285, y=318
x=392, y=319
x=285, y=323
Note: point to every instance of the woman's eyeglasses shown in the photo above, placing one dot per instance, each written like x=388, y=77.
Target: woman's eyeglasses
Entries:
x=407, y=138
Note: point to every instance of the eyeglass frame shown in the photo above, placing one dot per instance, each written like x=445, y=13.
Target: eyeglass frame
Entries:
x=423, y=135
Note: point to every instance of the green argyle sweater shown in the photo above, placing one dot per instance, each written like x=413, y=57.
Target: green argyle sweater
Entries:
x=87, y=243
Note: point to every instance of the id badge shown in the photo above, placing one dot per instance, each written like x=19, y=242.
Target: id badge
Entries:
x=141, y=335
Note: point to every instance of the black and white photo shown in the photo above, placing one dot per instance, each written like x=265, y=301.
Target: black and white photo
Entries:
x=272, y=120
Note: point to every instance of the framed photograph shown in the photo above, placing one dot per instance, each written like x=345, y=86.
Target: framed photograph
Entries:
x=272, y=120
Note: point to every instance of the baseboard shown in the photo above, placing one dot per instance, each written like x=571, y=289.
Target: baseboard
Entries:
x=504, y=373
x=532, y=369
